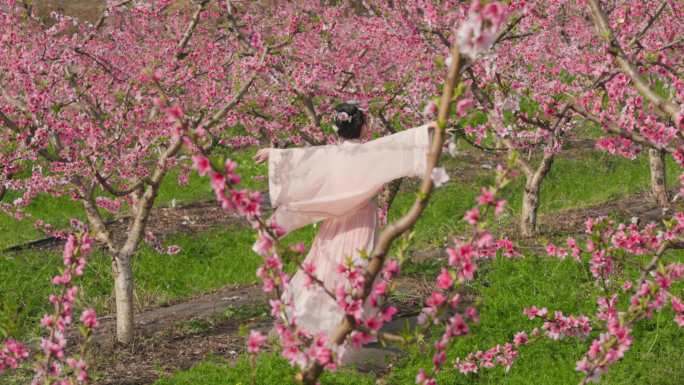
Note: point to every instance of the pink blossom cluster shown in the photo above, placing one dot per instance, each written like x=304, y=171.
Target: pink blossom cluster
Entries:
x=610, y=346
x=649, y=294
x=111, y=205
x=12, y=354
x=381, y=312
x=157, y=244
x=445, y=305
x=478, y=32
x=54, y=365
x=499, y=355
x=560, y=326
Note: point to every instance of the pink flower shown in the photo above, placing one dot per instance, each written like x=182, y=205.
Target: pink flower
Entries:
x=388, y=313
x=500, y=206
x=69, y=248
x=472, y=313
x=201, y=164
x=495, y=12
x=520, y=339
x=175, y=113
x=436, y=299
x=89, y=319
x=361, y=338
x=463, y=106
x=173, y=250
x=486, y=197
x=457, y=325
x=255, y=341
x=472, y=216
x=230, y=166
x=444, y=280
x=218, y=181
x=391, y=269
x=421, y=378
x=534, y=312
x=679, y=319
x=310, y=270
x=263, y=245
x=430, y=109
x=467, y=271
x=374, y=323
x=47, y=321
x=677, y=305
x=299, y=248
x=439, y=358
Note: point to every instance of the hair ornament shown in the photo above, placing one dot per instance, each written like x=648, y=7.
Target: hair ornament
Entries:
x=343, y=117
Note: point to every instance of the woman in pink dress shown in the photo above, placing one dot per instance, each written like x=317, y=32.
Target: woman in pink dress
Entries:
x=337, y=184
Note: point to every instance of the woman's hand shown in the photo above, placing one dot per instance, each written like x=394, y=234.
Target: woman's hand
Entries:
x=261, y=156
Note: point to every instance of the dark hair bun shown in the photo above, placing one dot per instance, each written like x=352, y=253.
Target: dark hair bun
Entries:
x=349, y=120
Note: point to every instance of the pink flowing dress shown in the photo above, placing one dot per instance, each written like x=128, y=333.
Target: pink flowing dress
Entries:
x=336, y=184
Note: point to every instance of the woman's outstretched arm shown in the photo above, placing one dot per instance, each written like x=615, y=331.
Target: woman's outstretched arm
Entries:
x=261, y=156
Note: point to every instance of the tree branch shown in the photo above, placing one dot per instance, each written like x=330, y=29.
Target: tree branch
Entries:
x=100, y=230
x=191, y=28
x=615, y=129
x=652, y=19
x=668, y=109
x=394, y=230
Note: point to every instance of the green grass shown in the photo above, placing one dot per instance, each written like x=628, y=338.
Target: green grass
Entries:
x=270, y=370
x=507, y=287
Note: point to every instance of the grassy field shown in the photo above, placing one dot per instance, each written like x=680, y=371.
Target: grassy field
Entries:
x=223, y=256
x=506, y=286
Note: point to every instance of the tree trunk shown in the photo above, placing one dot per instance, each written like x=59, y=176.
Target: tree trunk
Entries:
x=123, y=290
x=658, y=181
x=530, y=204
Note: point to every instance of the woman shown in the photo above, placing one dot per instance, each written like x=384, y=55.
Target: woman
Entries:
x=336, y=184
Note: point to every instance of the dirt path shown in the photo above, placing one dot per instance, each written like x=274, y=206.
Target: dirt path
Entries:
x=637, y=207
x=178, y=336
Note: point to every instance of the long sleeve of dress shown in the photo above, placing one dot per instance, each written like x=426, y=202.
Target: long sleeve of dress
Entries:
x=313, y=183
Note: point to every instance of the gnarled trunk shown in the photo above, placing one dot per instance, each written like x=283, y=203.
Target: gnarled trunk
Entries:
x=123, y=291
x=658, y=182
x=530, y=203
